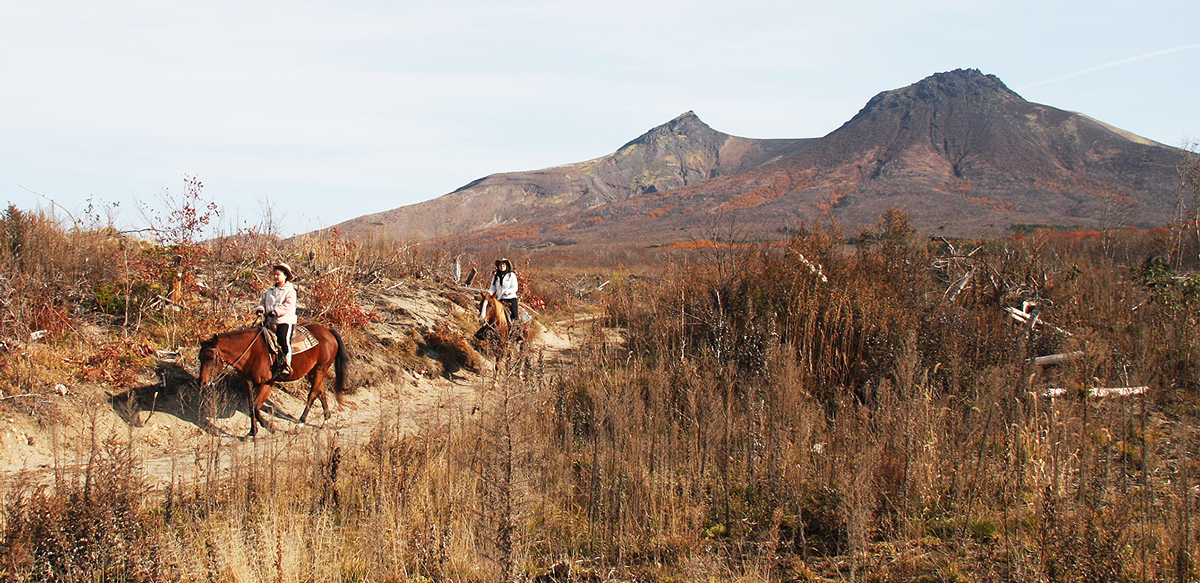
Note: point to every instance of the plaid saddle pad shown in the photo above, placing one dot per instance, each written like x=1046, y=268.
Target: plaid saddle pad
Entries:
x=302, y=339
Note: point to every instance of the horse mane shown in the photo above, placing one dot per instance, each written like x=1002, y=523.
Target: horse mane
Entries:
x=494, y=309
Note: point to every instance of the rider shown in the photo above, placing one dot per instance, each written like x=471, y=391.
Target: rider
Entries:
x=504, y=287
x=278, y=308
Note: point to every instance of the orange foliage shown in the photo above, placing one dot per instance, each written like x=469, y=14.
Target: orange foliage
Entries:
x=992, y=204
x=959, y=186
x=698, y=244
x=778, y=187
x=116, y=363
x=512, y=233
x=836, y=194
x=710, y=244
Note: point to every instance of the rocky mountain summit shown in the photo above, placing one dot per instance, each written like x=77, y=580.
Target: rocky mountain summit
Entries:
x=962, y=142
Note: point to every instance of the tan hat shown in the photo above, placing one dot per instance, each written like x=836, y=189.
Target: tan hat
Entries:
x=285, y=268
x=504, y=261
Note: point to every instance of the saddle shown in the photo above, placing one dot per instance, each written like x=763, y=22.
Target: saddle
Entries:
x=302, y=339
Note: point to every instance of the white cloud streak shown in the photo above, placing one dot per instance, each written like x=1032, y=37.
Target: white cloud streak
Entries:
x=1110, y=65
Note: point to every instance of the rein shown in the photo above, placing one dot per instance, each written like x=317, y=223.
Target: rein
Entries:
x=233, y=364
x=244, y=352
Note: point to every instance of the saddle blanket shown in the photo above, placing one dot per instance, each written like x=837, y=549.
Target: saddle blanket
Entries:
x=302, y=339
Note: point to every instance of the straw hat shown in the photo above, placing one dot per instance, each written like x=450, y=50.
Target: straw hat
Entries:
x=285, y=268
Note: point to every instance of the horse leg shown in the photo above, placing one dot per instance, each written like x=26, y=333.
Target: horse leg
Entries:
x=261, y=393
x=251, y=397
x=315, y=380
x=321, y=394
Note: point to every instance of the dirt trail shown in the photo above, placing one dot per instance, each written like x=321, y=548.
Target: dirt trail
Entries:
x=179, y=435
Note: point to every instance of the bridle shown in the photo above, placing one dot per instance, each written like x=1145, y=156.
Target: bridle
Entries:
x=226, y=364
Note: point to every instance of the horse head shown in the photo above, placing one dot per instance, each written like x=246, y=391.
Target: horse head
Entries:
x=493, y=313
x=210, y=355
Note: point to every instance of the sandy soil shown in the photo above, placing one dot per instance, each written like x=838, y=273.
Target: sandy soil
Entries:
x=179, y=433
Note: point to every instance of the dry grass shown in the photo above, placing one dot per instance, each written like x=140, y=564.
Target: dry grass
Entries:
x=808, y=413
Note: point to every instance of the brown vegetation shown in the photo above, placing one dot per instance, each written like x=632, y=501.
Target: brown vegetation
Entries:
x=799, y=413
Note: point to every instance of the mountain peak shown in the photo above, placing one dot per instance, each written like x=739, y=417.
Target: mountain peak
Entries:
x=686, y=124
x=962, y=82
x=687, y=117
x=963, y=85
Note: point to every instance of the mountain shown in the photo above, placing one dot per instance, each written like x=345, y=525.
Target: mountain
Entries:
x=959, y=151
x=681, y=152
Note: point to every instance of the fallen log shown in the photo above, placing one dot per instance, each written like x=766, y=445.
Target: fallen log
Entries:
x=1053, y=392
x=1023, y=318
x=958, y=286
x=1052, y=359
x=1117, y=391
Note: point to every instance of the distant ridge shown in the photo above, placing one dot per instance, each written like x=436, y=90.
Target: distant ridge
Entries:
x=679, y=153
x=962, y=153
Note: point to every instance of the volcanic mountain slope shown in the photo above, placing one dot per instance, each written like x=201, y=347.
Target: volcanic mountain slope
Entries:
x=679, y=153
x=959, y=151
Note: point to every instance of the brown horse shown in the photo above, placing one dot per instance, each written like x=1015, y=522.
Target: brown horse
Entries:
x=492, y=313
x=247, y=353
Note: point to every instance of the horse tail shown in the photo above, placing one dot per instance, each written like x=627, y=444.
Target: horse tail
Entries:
x=341, y=365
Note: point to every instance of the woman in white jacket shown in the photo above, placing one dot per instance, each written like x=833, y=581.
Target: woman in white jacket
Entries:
x=278, y=308
x=504, y=287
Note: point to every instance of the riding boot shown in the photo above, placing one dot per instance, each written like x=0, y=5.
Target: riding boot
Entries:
x=281, y=368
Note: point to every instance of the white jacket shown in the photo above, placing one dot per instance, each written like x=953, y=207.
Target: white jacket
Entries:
x=505, y=286
x=279, y=304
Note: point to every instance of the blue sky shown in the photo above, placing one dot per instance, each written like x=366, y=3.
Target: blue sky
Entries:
x=331, y=110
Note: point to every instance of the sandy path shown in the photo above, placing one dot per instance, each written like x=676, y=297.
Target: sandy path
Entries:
x=173, y=446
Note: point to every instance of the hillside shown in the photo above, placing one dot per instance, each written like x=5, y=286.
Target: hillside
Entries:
x=958, y=151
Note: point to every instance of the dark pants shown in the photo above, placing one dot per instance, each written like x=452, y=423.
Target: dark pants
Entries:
x=512, y=309
x=283, y=333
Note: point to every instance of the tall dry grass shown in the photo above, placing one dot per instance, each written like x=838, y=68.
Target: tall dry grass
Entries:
x=802, y=413
x=841, y=409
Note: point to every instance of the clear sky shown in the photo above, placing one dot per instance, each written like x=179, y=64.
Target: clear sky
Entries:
x=331, y=110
